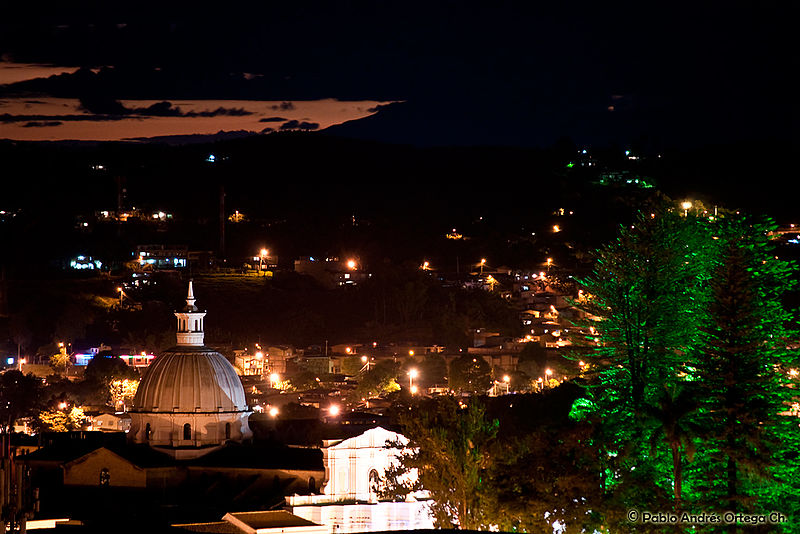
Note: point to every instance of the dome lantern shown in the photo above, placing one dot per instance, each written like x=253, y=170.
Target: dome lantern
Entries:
x=190, y=322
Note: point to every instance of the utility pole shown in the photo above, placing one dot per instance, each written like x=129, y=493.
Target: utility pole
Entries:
x=222, y=223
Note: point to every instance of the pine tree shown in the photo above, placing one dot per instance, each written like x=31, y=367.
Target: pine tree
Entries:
x=646, y=289
x=741, y=368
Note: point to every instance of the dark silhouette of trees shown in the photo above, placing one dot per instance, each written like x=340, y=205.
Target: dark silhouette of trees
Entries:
x=20, y=396
x=470, y=374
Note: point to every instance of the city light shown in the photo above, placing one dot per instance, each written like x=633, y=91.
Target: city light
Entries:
x=333, y=410
x=273, y=412
x=351, y=264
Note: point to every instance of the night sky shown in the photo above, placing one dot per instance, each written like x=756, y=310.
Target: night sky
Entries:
x=463, y=73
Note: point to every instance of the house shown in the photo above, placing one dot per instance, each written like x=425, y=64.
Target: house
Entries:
x=111, y=422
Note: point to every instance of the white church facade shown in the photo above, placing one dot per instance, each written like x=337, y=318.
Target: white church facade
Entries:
x=349, y=499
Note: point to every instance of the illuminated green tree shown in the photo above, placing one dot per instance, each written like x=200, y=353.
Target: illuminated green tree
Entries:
x=691, y=301
x=676, y=427
x=742, y=370
x=647, y=291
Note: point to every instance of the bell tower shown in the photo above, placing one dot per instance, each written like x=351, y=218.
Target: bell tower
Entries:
x=190, y=322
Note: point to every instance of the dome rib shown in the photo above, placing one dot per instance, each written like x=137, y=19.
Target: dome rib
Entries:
x=192, y=380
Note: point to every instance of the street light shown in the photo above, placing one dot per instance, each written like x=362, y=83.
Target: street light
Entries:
x=483, y=262
x=686, y=205
x=274, y=378
x=120, y=295
x=412, y=374
x=264, y=254
x=549, y=263
x=506, y=379
x=351, y=264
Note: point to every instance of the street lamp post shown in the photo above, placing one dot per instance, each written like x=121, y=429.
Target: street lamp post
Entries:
x=506, y=379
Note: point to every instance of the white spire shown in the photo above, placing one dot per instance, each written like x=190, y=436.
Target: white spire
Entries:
x=190, y=322
x=190, y=298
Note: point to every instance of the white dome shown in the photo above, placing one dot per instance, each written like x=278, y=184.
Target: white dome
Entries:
x=188, y=379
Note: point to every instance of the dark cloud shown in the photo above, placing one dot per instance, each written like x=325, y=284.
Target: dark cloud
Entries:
x=296, y=125
x=109, y=106
x=103, y=105
x=230, y=112
x=273, y=119
x=283, y=106
x=159, y=109
x=41, y=124
x=267, y=130
x=6, y=117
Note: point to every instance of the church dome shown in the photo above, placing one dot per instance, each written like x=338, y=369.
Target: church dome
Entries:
x=190, y=400
x=190, y=380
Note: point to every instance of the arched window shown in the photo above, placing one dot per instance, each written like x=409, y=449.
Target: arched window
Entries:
x=312, y=485
x=187, y=431
x=227, y=431
x=147, y=432
x=374, y=485
x=105, y=477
